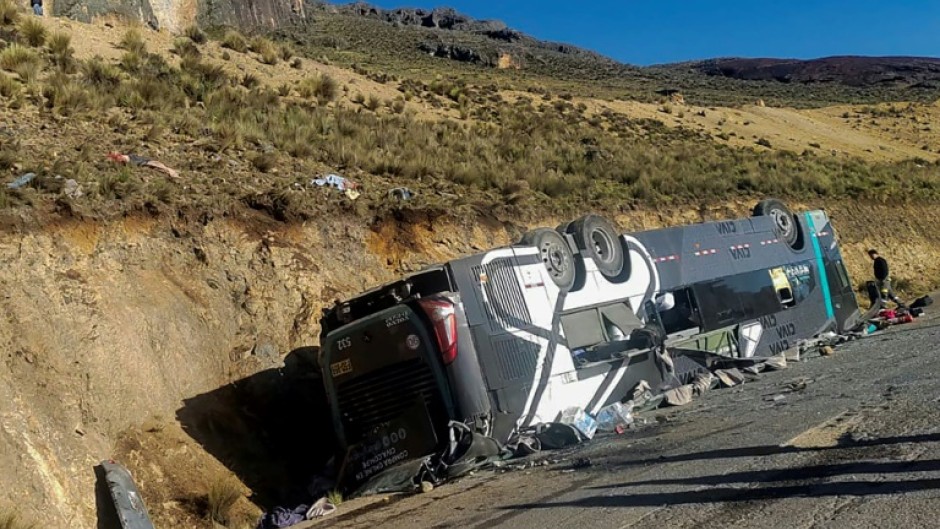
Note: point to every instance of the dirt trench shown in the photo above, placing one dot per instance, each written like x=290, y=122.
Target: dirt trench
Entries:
x=174, y=345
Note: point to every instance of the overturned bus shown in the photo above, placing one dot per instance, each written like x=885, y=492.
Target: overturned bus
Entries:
x=568, y=317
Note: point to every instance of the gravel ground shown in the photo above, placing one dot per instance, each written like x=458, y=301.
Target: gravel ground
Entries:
x=854, y=441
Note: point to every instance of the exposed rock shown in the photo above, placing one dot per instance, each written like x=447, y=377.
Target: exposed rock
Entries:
x=454, y=52
x=175, y=15
x=852, y=71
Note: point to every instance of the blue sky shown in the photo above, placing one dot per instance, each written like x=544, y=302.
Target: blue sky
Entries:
x=659, y=31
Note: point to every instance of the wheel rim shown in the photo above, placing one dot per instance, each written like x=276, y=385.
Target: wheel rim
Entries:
x=554, y=259
x=782, y=221
x=603, y=246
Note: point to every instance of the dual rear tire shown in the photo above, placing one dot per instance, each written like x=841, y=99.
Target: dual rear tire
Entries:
x=594, y=236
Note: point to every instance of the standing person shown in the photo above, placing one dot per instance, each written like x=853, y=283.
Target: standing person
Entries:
x=883, y=277
x=37, y=7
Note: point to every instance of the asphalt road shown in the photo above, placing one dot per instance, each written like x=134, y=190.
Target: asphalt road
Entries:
x=853, y=442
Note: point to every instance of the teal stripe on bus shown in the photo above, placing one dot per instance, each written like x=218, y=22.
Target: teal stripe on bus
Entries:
x=823, y=277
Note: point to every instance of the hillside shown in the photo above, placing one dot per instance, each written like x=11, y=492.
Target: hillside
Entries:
x=150, y=318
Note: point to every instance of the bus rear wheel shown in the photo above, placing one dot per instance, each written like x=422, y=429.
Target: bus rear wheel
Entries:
x=600, y=240
x=555, y=255
x=785, y=224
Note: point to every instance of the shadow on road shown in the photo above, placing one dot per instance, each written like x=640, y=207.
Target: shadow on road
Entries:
x=770, y=450
x=722, y=488
x=737, y=494
x=792, y=474
x=271, y=429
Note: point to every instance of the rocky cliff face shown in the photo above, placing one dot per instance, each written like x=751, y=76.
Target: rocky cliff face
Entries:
x=175, y=15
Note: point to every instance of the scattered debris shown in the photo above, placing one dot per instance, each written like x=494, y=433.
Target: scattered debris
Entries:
x=679, y=396
x=340, y=183
x=730, y=377
x=22, y=181
x=401, y=193
x=554, y=436
x=584, y=423
x=616, y=417
x=141, y=161
x=128, y=502
x=426, y=487
x=322, y=507
x=704, y=382
x=72, y=189
x=282, y=517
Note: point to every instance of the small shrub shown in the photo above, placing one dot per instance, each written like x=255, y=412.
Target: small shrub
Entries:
x=133, y=41
x=358, y=98
x=266, y=49
x=9, y=12
x=264, y=161
x=322, y=86
x=60, y=46
x=286, y=52
x=8, y=86
x=269, y=56
x=15, y=55
x=398, y=106
x=101, y=74
x=283, y=90
x=235, y=41
x=764, y=142
x=297, y=63
x=222, y=495
x=335, y=497
x=195, y=34
x=373, y=103
x=250, y=80
x=33, y=32
x=184, y=47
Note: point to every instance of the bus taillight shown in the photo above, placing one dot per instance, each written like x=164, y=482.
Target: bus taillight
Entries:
x=442, y=316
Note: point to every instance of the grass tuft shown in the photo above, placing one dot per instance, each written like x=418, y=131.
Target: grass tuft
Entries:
x=8, y=86
x=322, y=87
x=133, y=41
x=195, y=34
x=221, y=498
x=33, y=32
x=235, y=41
x=9, y=13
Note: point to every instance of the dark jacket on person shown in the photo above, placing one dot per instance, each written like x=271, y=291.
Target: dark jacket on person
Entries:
x=881, y=269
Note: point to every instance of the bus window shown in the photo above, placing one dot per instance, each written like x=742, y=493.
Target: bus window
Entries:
x=588, y=329
x=737, y=298
x=783, y=287
x=678, y=311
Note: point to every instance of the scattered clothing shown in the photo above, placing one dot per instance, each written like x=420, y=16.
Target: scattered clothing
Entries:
x=321, y=508
x=679, y=396
x=282, y=517
x=141, y=161
x=21, y=181
x=334, y=180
